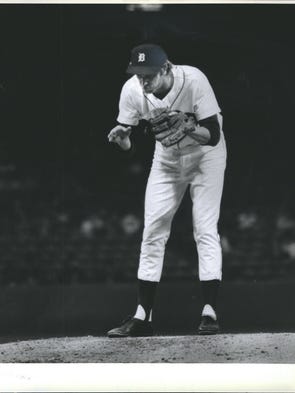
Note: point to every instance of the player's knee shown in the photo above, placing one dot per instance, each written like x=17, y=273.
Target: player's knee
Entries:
x=149, y=238
x=206, y=236
x=156, y=232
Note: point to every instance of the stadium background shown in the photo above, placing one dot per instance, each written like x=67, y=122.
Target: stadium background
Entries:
x=72, y=205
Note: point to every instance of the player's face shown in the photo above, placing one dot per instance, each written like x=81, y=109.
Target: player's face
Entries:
x=150, y=83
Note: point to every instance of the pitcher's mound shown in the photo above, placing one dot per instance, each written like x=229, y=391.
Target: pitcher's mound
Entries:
x=222, y=348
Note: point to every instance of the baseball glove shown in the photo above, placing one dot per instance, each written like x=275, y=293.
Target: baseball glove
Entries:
x=169, y=127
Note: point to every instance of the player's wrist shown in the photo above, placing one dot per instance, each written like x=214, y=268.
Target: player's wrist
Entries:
x=125, y=143
x=200, y=134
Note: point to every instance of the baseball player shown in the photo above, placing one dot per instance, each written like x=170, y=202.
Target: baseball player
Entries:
x=177, y=105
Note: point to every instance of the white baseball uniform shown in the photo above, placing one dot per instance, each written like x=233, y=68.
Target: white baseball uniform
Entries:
x=175, y=168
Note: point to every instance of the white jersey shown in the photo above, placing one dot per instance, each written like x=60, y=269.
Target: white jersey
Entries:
x=191, y=92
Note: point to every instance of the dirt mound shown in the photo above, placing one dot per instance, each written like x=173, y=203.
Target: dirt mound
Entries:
x=222, y=348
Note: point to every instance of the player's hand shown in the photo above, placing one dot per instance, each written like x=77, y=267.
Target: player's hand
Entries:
x=120, y=135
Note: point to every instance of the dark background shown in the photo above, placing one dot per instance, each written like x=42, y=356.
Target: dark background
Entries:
x=71, y=204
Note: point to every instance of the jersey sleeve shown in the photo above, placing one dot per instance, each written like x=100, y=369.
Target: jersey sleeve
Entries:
x=128, y=109
x=204, y=100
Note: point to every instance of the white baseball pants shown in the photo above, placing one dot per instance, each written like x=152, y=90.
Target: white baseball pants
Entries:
x=173, y=170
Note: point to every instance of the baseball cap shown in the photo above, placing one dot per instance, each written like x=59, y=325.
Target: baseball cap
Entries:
x=146, y=59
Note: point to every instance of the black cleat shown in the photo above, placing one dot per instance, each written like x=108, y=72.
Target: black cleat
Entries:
x=132, y=327
x=208, y=326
